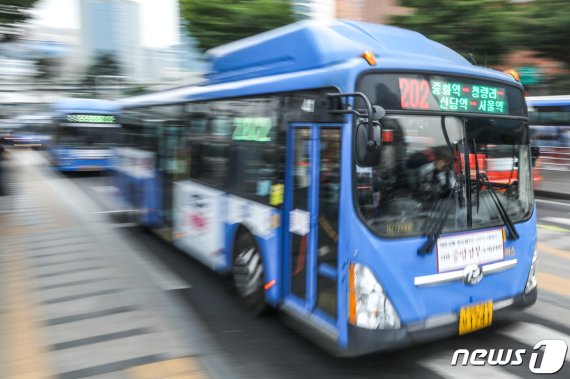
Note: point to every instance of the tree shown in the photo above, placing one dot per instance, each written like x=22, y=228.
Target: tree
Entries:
x=47, y=68
x=544, y=27
x=104, y=65
x=13, y=12
x=483, y=28
x=216, y=22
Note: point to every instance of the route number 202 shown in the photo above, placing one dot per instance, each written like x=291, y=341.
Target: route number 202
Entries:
x=414, y=93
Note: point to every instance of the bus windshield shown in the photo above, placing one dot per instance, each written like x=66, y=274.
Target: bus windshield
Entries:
x=549, y=115
x=86, y=136
x=430, y=160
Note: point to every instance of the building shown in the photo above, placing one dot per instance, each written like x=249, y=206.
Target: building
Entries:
x=61, y=44
x=112, y=27
x=162, y=64
x=191, y=58
x=376, y=11
x=315, y=9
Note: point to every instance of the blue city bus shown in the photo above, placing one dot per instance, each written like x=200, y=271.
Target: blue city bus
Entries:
x=339, y=172
x=550, y=120
x=84, y=134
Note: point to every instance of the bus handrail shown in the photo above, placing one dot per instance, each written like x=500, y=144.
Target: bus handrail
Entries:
x=368, y=112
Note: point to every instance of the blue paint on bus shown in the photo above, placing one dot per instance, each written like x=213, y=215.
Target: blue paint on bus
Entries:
x=311, y=56
x=550, y=122
x=83, y=146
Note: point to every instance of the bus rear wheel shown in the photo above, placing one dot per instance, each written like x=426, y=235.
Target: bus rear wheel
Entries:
x=247, y=273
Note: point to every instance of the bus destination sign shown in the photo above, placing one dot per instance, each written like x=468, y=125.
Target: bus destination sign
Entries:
x=449, y=95
x=91, y=118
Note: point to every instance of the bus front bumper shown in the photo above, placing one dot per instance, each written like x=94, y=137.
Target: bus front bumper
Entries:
x=365, y=341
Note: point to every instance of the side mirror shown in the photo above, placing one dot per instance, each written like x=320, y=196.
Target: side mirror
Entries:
x=378, y=113
x=534, y=154
x=368, y=136
x=368, y=139
x=367, y=144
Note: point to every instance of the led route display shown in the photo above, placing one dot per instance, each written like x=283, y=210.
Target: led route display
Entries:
x=256, y=129
x=438, y=94
x=91, y=118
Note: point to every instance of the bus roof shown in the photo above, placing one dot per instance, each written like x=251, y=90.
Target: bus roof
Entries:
x=548, y=101
x=73, y=105
x=318, y=48
x=308, y=45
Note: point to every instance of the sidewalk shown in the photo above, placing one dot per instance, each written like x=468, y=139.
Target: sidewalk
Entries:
x=78, y=300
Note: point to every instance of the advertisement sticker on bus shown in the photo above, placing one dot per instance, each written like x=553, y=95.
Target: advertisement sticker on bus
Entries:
x=457, y=251
x=135, y=162
x=196, y=228
x=258, y=218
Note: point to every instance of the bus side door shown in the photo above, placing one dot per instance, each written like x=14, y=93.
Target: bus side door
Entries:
x=311, y=218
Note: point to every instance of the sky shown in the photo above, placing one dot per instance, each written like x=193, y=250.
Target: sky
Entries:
x=159, y=19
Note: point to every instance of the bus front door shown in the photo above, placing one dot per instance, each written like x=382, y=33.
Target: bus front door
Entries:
x=312, y=206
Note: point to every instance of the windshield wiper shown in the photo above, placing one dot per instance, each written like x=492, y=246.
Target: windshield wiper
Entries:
x=435, y=225
x=481, y=177
x=477, y=173
x=461, y=177
x=452, y=150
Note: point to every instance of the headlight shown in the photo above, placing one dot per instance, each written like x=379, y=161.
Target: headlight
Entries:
x=531, y=281
x=369, y=306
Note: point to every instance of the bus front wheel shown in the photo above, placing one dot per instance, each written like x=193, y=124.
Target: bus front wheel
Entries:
x=247, y=272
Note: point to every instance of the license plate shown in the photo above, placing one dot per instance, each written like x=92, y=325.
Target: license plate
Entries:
x=475, y=317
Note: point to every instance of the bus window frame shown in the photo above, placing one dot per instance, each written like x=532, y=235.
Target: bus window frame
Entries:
x=354, y=121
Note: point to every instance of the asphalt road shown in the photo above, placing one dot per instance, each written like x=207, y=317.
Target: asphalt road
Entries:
x=266, y=347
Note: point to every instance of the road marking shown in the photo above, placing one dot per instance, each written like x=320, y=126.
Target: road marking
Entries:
x=530, y=334
x=554, y=283
x=556, y=220
x=105, y=189
x=70, y=344
x=18, y=230
x=22, y=339
x=108, y=368
x=116, y=211
x=553, y=228
x=547, y=249
x=442, y=366
x=163, y=276
x=553, y=202
x=187, y=367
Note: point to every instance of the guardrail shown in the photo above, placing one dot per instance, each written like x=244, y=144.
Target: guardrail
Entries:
x=554, y=158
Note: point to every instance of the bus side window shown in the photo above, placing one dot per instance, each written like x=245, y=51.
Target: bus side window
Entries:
x=221, y=128
x=193, y=159
x=255, y=152
x=194, y=135
x=209, y=152
x=254, y=170
x=214, y=164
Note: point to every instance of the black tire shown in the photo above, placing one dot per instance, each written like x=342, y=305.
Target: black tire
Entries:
x=247, y=273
